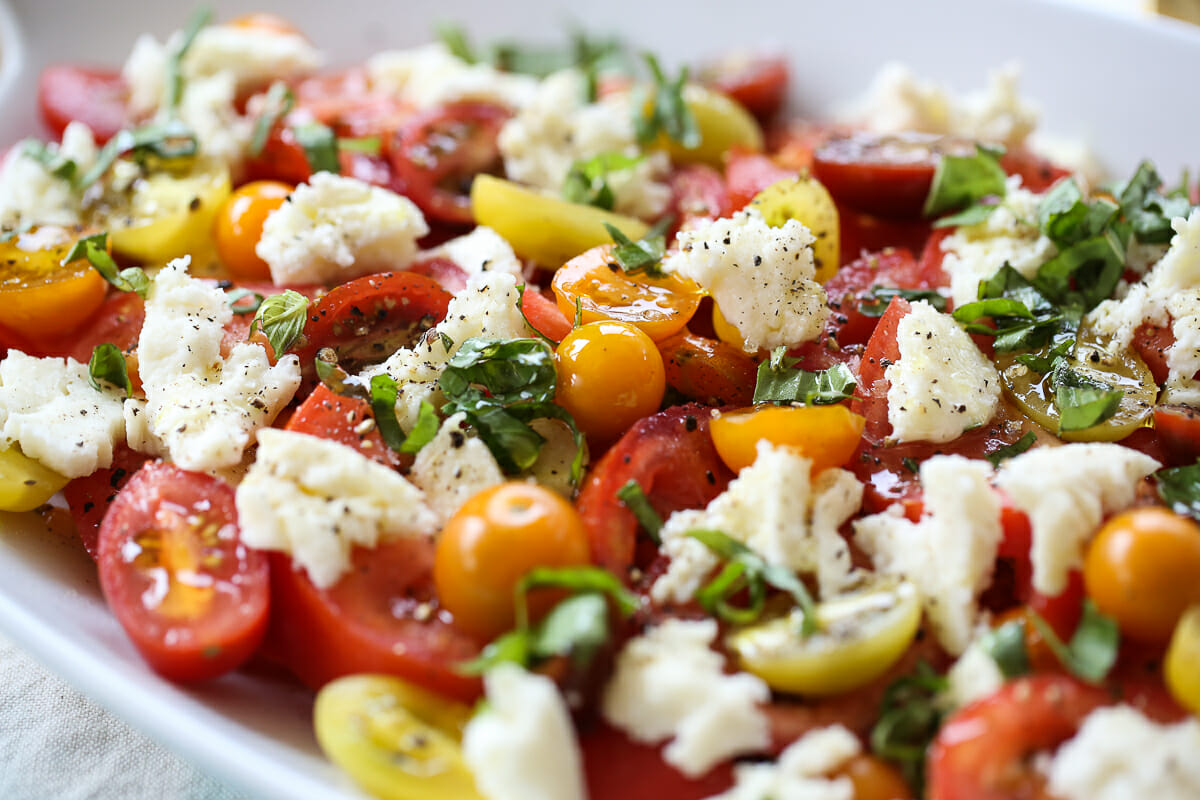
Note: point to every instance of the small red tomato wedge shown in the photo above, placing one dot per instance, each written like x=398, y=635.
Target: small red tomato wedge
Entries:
x=96, y=97
x=176, y=575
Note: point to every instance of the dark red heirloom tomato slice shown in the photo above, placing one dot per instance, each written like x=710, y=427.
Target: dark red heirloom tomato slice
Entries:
x=759, y=83
x=282, y=159
x=617, y=768
x=698, y=192
x=748, y=173
x=1037, y=174
x=1178, y=429
x=1152, y=343
x=345, y=420
x=382, y=616
x=671, y=456
x=97, y=97
x=89, y=497
x=189, y=594
x=437, y=153
x=851, y=286
x=985, y=751
x=709, y=371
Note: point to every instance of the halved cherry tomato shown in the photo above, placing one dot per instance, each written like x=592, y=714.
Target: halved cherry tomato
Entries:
x=41, y=298
x=189, y=594
x=758, y=82
x=617, y=768
x=449, y=275
x=851, y=287
x=659, y=306
x=707, y=370
x=827, y=435
x=437, y=153
x=1179, y=665
x=345, y=420
x=96, y=97
x=282, y=158
x=698, y=192
x=118, y=321
x=748, y=173
x=239, y=223
x=866, y=233
x=90, y=497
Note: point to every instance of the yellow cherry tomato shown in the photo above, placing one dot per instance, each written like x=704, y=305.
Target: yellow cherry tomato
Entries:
x=860, y=636
x=24, y=483
x=1142, y=569
x=239, y=225
x=492, y=541
x=1181, y=668
x=723, y=123
x=604, y=291
x=825, y=434
x=610, y=375
x=806, y=200
x=39, y=297
x=396, y=740
x=544, y=228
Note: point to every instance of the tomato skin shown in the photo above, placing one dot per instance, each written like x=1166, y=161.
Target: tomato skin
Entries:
x=758, y=83
x=698, y=192
x=1178, y=429
x=1037, y=174
x=983, y=751
x=164, y=511
x=708, y=371
x=1151, y=343
x=239, y=224
x=618, y=768
x=96, y=97
x=282, y=159
x=870, y=396
x=89, y=497
x=865, y=233
x=852, y=284
x=544, y=315
x=342, y=419
x=748, y=173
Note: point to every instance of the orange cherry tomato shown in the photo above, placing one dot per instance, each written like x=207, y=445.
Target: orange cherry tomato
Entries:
x=610, y=375
x=492, y=541
x=826, y=434
x=239, y=225
x=594, y=279
x=875, y=779
x=39, y=297
x=1142, y=568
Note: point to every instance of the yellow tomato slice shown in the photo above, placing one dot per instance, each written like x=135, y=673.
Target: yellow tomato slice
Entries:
x=1181, y=668
x=397, y=741
x=723, y=123
x=24, y=483
x=825, y=434
x=39, y=297
x=806, y=200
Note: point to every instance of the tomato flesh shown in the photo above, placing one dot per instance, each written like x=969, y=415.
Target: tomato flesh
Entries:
x=95, y=97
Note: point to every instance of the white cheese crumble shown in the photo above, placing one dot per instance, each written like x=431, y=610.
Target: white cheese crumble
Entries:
x=802, y=771
x=204, y=407
x=560, y=127
x=776, y=509
x=762, y=278
x=950, y=553
x=974, y=676
x=315, y=499
x=29, y=194
x=454, y=467
x=50, y=410
x=431, y=76
x=481, y=250
x=207, y=108
x=1120, y=754
x=522, y=745
x=334, y=228
x=942, y=384
x=1067, y=491
x=669, y=684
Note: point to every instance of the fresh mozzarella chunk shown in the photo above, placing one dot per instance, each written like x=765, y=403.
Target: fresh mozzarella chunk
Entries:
x=522, y=745
x=205, y=408
x=335, y=228
x=669, y=684
x=802, y=770
x=1120, y=754
x=50, y=410
x=138, y=435
x=1066, y=491
x=454, y=467
x=776, y=509
x=29, y=194
x=560, y=127
x=762, y=278
x=974, y=676
x=1009, y=235
x=145, y=74
x=942, y=384
x=315, y=499
x=431, y=76
x=950, y=553
x=481, y=250
x=207, y=108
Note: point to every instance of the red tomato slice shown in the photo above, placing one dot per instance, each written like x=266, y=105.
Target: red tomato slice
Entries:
x=759, y=83
x=345, y=420
x=189, y=594
x=90, y=497
x=544, y=315
x=865, y=233
x=708, y=371
x=1178, y=428
x=748, y=173
x=96, y=97
x=852, y=284
x=1152, y=343
x=617, y=768
x=698, y=192
x=437, y=153
x=449, y=275
x=118, y=321
x=1037, y=174
x=671, y=455
x=870, y=396
x=381, y=617
x=282, y=159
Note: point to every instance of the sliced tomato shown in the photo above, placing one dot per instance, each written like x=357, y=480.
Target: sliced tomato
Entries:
x=758, y=82
x=851, y=285
x=617, y=768
x=545, y=315
x=671, y=456
x=1152, y=343
x=865, y=233
x=747, y=173
x=794, y=144
x=435, y=154
x=1178, y=429
x=345, y=420
x=698, y=192
x=870, y=396
x=96, y=97
x=282, y=158
x=1037, y=174
x=118, y=321
x=344, y=101
x=90, y=497
x=450, y=276
x=708, y=371
x=189, y=594
x=382, y=616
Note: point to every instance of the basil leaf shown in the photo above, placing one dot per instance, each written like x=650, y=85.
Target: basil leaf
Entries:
x=633, y=498
x=234, y=298
x=1179, y=488
x=367, y=145
x=173, y=88
x=665, y=110
x=641, y=256
x=1094, y=266
x=95, y=250
x=1006, y=646
x=52, y=161
x=587, y=181
x=1148, y=211
x=277, y=103
x=108, y=364
x=971, y=215
x=781, y=383
x=1044, y=364
x=513, y=647
x=281, y=318
x=911, y=464
x=877, y=300
x=961, y=181
x=13, y=233
x=1092, y=651
x=579, y=579
x=455, y=40
x=909, y=718
x=320, y=147
x=167, y=140
x=423, y=432
x=383, y=406
x=1066, y=218
x=578, y=627
x=336, y=379
x=1081, y=402
x=1015, y=449
x=994, y=307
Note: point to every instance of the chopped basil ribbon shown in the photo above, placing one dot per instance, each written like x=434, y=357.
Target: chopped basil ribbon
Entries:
x=876, y=301
x=1092, y=651
x=1179, y=488
x=52, y=161
x=1006, y=646
x=971, y=215
x=95, y=250
x=578, y=312
x=1067, y=218
x=423, y=431
x=746, y=570
x=502, y=385
x=9, y=235
x=781, y=383
x=173, y=89
x=336, y=379
x=1086, y=272
x=1148, y=212
x=1015, y=449
x=455, y=40
x=320, y=146
x=383, y=406
x=382, y=396
x=524, y=316
x=662, y=109
x=587, y=181
x=281, y=318
x=108, y=364
x=909, y=718
x=641, y=256
x=583, y=52
x=911, y=464
x=166, y=141
x=633, y=498
x=234, y=298
x=1023, y=316
x=1081, y=402
x=577, y=627
x=367, y=145
x=962, y=181
x=277, y=103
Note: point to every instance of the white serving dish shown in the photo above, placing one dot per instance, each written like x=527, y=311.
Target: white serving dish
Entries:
x=1118, y=83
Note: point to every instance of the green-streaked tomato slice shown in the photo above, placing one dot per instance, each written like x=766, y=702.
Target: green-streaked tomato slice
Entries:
x=24, y=483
